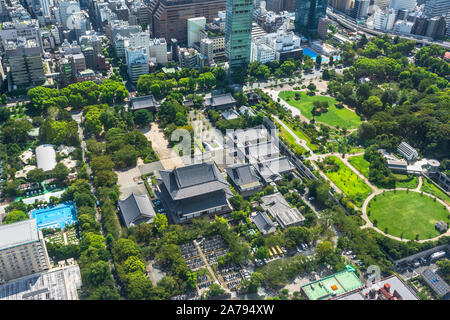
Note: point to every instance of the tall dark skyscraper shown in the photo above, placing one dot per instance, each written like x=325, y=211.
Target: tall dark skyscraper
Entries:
x=307, y=14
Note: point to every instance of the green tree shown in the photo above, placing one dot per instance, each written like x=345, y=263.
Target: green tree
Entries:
x=60, y=172
x=36, y=175
x=15, y=216
x=160, y=223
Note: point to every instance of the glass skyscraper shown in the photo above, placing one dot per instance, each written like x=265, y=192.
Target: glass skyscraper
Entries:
x=238, y=32
x=307, y=14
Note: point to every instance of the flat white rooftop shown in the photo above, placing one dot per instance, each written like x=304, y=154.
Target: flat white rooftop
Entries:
x=18, y=233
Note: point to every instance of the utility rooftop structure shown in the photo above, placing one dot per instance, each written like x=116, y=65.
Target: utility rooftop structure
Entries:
x=220, y=101
x=45, y=157
x=437, y=284
x=244, y=178
x=145, y=102
x=22, y=250
x=193, y=191
x=279, y=208
x=407, y=151
x=136, y=209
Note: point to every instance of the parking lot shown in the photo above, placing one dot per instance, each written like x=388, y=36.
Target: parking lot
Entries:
x=413, y=269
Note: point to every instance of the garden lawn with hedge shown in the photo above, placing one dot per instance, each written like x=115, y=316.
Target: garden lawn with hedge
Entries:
x=406, y=214
x=360, y=164
x=341, y=117
x=348, y=182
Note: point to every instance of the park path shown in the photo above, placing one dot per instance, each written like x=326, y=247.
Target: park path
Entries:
x=202, y=255
x=298, y=140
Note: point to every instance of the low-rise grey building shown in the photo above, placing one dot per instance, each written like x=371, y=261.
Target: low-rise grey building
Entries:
x=277, y=206
x=271, y=170
x=244, y=179
x=263, y=222
x=136, y=209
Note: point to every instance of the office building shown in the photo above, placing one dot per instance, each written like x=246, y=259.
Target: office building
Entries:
x=322, y=27
x=137, y=62
x=381, y=4
x=360, y=9
x=213, y=32
x=66, y=9
x=384, y=20
x=22, y=250
x=340, y=5
x=420, y=26
x=436, y=28
x=169, y=17
x=307, y=14
x=158, y=50
x=403, y=4
x=25, y=63
x=403, y=26
x=238, y=29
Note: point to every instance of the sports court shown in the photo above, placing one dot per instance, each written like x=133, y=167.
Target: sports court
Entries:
x=55, y=217
x=333, y=285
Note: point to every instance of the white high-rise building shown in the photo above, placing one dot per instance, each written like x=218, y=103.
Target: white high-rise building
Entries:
x=403, y=26
x=158, y=50
x=262, y=52
x=194, y=26
x=384, y=20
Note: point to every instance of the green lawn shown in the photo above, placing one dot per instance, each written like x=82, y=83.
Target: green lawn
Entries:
x=406, y=214
x=429, y=187
x=348, y=182
x=404, y=181
x=360, y=164
x=343, y=118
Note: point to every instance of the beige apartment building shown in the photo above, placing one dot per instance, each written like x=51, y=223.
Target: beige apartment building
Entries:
x=22, y=250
